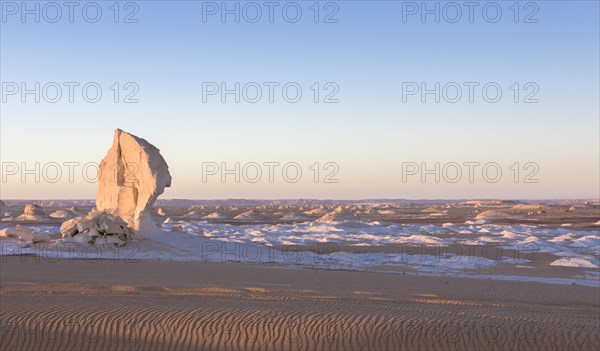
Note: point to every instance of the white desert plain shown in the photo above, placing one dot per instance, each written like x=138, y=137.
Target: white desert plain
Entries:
x=129, y=271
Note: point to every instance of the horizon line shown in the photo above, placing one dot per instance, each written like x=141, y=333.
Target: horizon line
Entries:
x=327, y=199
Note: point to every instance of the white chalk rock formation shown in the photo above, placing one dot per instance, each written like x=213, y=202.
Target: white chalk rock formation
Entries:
x=64, y=214
x=321, y=210
x=19, y=232
x=295, y=216
x=250, y=215
x=340, y=214
x=494, y=214
x=385, y=212
x=132, y=176
x=97, y=227
x=32, y=212
x=215, y=215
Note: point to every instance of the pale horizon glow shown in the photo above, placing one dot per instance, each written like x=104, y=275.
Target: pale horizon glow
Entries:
x=369, y=134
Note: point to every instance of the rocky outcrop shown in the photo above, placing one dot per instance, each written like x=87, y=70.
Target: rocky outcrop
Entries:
x=64, y=214
x=97, y=227
x=131, y=177
x=32, y=212
x=19, y=232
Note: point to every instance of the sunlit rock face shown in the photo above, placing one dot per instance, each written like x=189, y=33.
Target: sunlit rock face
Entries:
x=97, y=227
x=32, y=212
x=131, y=177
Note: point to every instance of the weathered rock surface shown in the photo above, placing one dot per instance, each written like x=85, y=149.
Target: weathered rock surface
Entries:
x=19, y=232
x=132, y=176
x=64, y=214
x=97, y=227
x=40, y=238
x=32, y=212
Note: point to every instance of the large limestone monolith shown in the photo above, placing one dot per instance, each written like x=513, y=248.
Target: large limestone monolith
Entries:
x=132, y=176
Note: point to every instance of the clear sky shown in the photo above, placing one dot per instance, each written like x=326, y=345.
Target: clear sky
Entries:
x=371, y=53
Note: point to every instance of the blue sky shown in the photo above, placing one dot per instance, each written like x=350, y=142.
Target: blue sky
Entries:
x=369, y=133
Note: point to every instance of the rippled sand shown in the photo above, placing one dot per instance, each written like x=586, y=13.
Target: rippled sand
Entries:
x=150, y=305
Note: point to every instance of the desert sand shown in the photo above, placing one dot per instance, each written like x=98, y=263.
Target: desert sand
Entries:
x=149, y=305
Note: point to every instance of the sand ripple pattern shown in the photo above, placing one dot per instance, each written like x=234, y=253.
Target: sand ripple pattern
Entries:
x=122, y=317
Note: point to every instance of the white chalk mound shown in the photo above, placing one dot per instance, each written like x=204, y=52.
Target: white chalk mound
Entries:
x=573, y=262
x=321, y=210
x=386, y=212
x=132, y=176
x=63, y=214
x=97, y=227
x=340, y=214
x=493, y=214
x=250, y=215
x=215, y=215
x=295, y=216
